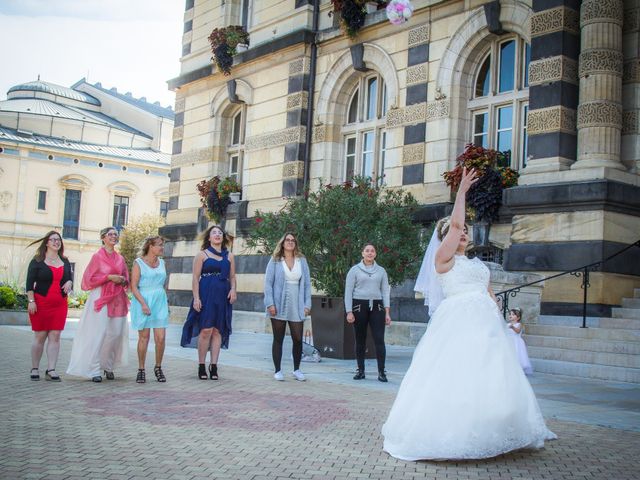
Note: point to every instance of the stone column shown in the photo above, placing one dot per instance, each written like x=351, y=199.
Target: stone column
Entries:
x=600, y=71
x=631, y=86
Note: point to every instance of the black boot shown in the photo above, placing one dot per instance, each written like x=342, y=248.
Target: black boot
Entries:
x=359, y=374
x=382, y=377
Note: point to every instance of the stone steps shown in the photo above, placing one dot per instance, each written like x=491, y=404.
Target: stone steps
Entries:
x=618, y=322
x=636, y=293
x=586, y=357
x=626, y=313
x=592, y=345
x=585, y=370
x=617, y=334
x=631, y=303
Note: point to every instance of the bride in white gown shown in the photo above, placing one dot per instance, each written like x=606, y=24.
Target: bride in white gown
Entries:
x=464, y=395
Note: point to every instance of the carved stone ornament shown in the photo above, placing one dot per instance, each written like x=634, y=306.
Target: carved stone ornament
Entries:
x=599, y=114
x=395, y=117
x=298, y=67
x=437, y=110
x=413, y=154
x=553, y=69
x=293, y=169
x=276, y=139
x=630, y=122
x=631, y=72
x=419, y=35
x=417, y=73
x=297, y=100
x=552, y=119
x=631, y=20
x=178, y=132
x=5, y=199
x=555, y=20
x=193, y=156
x=601, y=11
x=179, y=105
x=415, y=113
x=601, y=61
x=319, y=133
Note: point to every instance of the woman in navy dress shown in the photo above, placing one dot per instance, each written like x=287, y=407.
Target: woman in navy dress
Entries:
x=214, y=291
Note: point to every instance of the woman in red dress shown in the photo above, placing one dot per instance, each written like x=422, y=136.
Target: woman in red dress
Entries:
x=49, y=280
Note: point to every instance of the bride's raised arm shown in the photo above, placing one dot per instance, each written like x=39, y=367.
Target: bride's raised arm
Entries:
x=449, y=246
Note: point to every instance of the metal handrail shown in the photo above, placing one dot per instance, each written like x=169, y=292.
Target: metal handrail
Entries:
x=576, y=272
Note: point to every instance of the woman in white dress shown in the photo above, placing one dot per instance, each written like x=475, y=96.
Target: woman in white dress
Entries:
x=515, y=331
x=102, y=340
x=464, y=395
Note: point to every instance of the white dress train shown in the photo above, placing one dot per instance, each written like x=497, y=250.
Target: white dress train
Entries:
x=101, y=342
x=464, y=395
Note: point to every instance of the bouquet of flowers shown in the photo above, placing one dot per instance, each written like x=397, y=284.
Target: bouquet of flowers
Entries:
x=399, y=11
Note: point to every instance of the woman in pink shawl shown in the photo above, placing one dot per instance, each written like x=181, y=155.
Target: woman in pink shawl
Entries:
x=101, y=342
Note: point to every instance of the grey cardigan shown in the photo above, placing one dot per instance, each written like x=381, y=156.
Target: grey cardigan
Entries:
x=274, y=286
x=366, y=284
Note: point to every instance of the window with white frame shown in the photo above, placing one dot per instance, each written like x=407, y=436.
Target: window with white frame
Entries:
x=365, y=140
x=500, y=100
x=235, y=144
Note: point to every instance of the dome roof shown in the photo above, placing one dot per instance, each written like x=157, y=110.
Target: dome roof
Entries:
x=52, y=89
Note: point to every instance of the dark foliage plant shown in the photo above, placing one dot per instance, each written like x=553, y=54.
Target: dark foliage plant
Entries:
x=223, y=43
x=334, y=223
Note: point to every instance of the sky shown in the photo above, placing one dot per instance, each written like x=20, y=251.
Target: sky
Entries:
x=133, y=45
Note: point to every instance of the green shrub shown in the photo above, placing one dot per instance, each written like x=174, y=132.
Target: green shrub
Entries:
x=7, y=297
x=133, y=235
x=77, y=299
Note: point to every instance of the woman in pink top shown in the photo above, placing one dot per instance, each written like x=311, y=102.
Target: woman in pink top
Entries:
x=101, y=342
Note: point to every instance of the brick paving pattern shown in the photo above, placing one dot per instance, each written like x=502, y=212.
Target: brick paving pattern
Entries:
x=245, y=426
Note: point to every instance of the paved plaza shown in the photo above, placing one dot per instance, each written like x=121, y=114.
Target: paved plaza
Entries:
x=247, y=426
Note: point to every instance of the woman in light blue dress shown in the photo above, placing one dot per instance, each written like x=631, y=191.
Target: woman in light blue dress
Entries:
x=150, y=308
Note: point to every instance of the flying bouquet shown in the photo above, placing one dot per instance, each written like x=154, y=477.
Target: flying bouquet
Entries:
x=399, y=11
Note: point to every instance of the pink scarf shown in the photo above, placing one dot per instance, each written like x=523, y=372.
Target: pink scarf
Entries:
x=114, y=296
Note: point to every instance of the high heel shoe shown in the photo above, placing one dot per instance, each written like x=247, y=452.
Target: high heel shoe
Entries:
x=202, y=372
x=213, y=371
x=109, y=375
x=157, y=370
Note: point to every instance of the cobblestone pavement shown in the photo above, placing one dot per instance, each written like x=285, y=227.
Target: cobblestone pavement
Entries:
x=245, y=426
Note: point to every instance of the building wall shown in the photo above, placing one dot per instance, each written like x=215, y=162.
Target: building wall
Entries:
x=430, y=66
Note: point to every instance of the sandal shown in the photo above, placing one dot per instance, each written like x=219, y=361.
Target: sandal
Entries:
x=213, y=371
x=48, y=375
x=159, y=374
x=109, y=375
x=35, y=376
x=141, y=378
x=202, y=372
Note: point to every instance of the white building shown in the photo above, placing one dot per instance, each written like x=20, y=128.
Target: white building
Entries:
x=76, y=160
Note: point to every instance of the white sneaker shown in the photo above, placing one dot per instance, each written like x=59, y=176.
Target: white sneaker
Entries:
x=279, y=376
x=299, y=376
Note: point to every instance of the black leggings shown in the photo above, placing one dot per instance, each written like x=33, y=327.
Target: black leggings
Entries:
x=364, y=318
x=279, y=328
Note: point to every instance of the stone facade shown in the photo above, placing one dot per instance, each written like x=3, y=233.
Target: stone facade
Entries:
x=574, y=120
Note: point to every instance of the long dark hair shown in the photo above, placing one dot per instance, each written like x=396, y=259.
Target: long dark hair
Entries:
x=206, y=243
x=42, y=248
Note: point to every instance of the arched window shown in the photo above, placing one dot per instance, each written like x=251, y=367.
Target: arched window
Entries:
x=365, y=140
x=500, y=101
x=235, y=143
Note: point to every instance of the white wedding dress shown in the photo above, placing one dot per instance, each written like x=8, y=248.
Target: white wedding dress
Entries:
x=464, y=395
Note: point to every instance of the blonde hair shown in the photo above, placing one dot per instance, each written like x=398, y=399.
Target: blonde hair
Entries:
x=278, y=252
x=148, y=242
x=443, y=225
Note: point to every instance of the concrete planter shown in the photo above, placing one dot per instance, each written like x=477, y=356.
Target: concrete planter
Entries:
x=14, y=317
x=332, y=335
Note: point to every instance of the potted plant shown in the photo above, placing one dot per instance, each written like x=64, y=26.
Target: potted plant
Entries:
x=229, y=186
x=13, y=305
x=331, y=235
x=215, y=196
x=224, y=42
x=351, y=14
x=485, y=196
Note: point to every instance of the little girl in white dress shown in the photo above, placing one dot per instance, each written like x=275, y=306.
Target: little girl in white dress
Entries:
x=516, y=329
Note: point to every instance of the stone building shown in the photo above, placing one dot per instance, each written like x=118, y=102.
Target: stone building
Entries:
x=555, y=82
x=77, y=160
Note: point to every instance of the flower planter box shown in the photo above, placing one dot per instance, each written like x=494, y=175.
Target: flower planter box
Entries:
x=14, y=317
x=332, y=335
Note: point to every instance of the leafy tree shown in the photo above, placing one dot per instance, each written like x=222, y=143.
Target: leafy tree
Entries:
x=334, y=223
x=133, y=235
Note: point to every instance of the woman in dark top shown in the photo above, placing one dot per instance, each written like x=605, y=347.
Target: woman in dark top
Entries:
x=214, y=291
x=49, y=280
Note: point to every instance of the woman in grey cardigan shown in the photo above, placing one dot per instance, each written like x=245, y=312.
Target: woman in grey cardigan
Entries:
x=287, y=298
x=366, y=301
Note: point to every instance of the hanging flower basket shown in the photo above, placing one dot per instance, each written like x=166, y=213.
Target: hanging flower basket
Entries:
x=399, y=11
x=224, y=43
x=215, y=196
